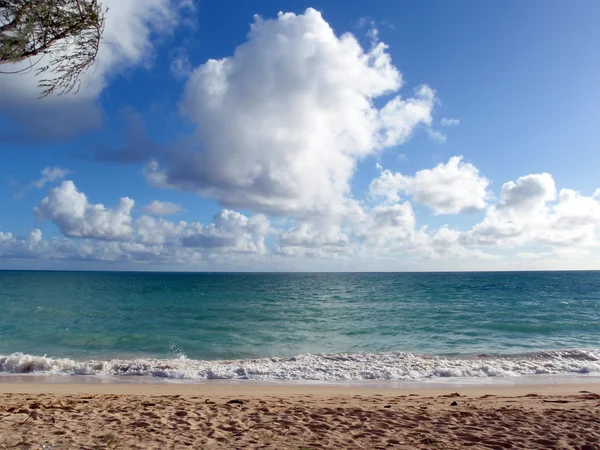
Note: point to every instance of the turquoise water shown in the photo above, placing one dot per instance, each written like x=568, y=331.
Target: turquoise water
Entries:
x=347, y=326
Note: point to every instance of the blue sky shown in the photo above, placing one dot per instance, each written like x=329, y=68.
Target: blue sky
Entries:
x=324, y=138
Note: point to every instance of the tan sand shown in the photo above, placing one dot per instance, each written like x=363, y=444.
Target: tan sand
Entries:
x=172, y=416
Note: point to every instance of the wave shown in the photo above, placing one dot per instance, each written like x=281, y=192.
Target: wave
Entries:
x=395, y=366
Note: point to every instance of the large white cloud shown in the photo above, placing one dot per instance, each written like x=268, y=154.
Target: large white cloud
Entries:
x=449, y=188
x=70, y=210
x=282, y=123
x=126, y=43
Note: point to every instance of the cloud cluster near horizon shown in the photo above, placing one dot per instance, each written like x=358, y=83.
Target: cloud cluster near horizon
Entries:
x=280, y=128
x=528, y=212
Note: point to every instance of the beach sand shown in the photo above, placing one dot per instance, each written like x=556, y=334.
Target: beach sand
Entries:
x=173, y=416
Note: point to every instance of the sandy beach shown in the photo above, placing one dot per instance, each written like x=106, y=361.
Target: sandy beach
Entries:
x=227, y=416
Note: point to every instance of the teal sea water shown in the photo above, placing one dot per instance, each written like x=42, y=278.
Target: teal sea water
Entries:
x=407, y=326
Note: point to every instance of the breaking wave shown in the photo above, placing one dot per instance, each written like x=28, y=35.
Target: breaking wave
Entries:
x=340, y=367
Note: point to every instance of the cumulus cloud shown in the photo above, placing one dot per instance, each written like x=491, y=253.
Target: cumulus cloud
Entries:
x=447, y=122
x=111, y=234
x=529, y=211
x=283, y=122
x=388, y=226
x=34, y=247
x=21, y=247
x=158, y=208
x=151, y=230
x=449, y=188
x=71, y=212
x=311, y=236
x=545, y=226
x=528, y=195
x=229, y=230
x=127, y=43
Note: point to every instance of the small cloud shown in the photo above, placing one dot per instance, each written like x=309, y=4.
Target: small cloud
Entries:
x=188, y=5
x=373, y=32
x=447, y=122
x=373, y=35
x=402, y=157
x=49, y=175
x=365, y=22
x=158, y=208
x=388, y=24
x=436, y=136
x=181, y=67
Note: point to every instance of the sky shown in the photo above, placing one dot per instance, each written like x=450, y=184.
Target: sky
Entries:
x=407, y=135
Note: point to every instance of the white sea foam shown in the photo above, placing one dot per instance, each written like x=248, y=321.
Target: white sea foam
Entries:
x=340, y=367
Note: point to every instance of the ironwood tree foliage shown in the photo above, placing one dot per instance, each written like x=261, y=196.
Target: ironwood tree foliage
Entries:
x=68, y=31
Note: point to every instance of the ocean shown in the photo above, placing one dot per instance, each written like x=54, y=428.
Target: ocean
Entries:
x=328, y=327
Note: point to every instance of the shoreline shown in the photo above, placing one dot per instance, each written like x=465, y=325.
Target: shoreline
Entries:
x=65, y=385
x=398, y=369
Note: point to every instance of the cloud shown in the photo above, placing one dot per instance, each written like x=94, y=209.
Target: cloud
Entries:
x=158, y=208
x=450, y=188
x=365, y=21
x=548, y=229
x=229, y=230
x=48, y=175
x=111, y=234
x=21, y=248
x=126, y=44
x=528, y=195
x=436, y=136
x=282, y=124
x=446, y=122
x=307, y=235
x=150, y=230
x=386, y=223
x=529, y=212
x=181, y=67
x=70, y=211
